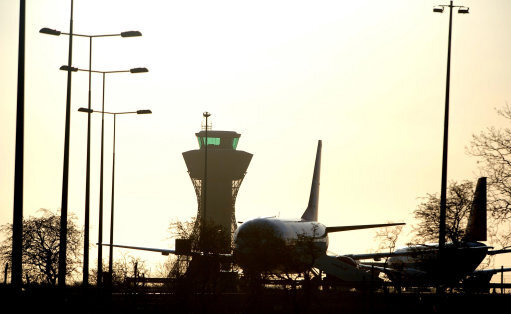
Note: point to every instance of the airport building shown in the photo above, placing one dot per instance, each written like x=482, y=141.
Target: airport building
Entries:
x=217, y=170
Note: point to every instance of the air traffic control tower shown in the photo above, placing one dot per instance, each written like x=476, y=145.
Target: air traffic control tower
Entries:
x=216, y=190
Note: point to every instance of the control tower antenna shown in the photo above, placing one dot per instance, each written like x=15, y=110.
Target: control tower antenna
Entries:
x=205, y=125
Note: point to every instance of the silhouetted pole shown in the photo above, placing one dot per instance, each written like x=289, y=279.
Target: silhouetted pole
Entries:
x=502, y=279
x=204, y=220
x=87, y=172
x=111, y=252
x=17, y=218
x=6, y=272
x=100, y=229
x=65, y=172
x=134, y=70
x=85, y=278
x=102, y=154
x=110, y=256
x=443, y=193
x=89, y=111
x=100, y=235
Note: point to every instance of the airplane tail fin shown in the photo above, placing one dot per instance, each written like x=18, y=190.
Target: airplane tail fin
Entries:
x=476, y=226
x=311, y=213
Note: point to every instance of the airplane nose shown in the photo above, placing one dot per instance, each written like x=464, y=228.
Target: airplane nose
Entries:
x=255, y=242
x=255, y=232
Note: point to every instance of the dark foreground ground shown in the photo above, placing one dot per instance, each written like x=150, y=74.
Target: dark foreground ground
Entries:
x=77, y=300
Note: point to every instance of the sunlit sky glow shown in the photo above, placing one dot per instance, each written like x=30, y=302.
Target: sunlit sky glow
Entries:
x=367, y=77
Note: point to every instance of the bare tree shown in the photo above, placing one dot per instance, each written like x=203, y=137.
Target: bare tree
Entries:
x=128, y=267
x=200, y=270
x=388, y=237
x=40, y=255
x=178, y=265
x=493, y=149
x=459, y=202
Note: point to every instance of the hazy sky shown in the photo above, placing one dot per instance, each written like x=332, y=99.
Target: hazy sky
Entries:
x=367, y=77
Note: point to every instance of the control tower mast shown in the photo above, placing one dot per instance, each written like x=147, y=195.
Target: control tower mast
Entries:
x=217, y=170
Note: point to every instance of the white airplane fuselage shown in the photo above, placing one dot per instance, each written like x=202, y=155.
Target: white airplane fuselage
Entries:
x=424, y=262
x=271, y=244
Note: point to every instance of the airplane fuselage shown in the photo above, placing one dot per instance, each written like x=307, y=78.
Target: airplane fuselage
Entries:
x=423, y=262
x=271, y=244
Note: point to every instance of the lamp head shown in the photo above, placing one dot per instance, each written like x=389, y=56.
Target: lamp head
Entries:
x=463, y=10
x=50, y=31
x=139, y=70
x=68, y=68
x=144, y=111
x=438, y=10
x=82, y=109
x=131, y=34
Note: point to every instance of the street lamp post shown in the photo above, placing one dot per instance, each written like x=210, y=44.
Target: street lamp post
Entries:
x=133, y=70
x=62, y=253
x=17, y=217
x=89, y=111
x=206, y=115
x=443, y=194
x=65, y=171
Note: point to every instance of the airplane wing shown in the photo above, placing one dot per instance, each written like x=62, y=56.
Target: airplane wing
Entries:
x=166, y=251
x=358, y=227
x=341, y=269
x=162, y=251
x=394, y=274
x=479, y=280
x=379, y=256
x=499, y=251
x=491, y=271
x=418, y=251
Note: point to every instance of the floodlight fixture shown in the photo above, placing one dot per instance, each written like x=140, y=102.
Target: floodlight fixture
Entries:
x=131, y=34
x=49, y=31
x=82, y=109
x=139, y=70
x=68, y=68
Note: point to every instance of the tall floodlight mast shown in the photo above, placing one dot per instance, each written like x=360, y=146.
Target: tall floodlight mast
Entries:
x=443, y=192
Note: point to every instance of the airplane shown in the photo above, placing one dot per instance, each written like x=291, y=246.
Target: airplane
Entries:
x=479, y=281
x=294, y=245
x=271, y=244
x=423, y=264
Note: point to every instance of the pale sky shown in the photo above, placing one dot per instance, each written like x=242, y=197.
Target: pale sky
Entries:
x=367, y=77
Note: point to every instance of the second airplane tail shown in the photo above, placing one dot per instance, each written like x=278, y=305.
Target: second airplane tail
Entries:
x=476, y=226
x=311, y=213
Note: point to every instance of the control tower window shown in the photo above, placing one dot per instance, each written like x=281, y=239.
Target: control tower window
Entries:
x=219, y=142
x=215, y=141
